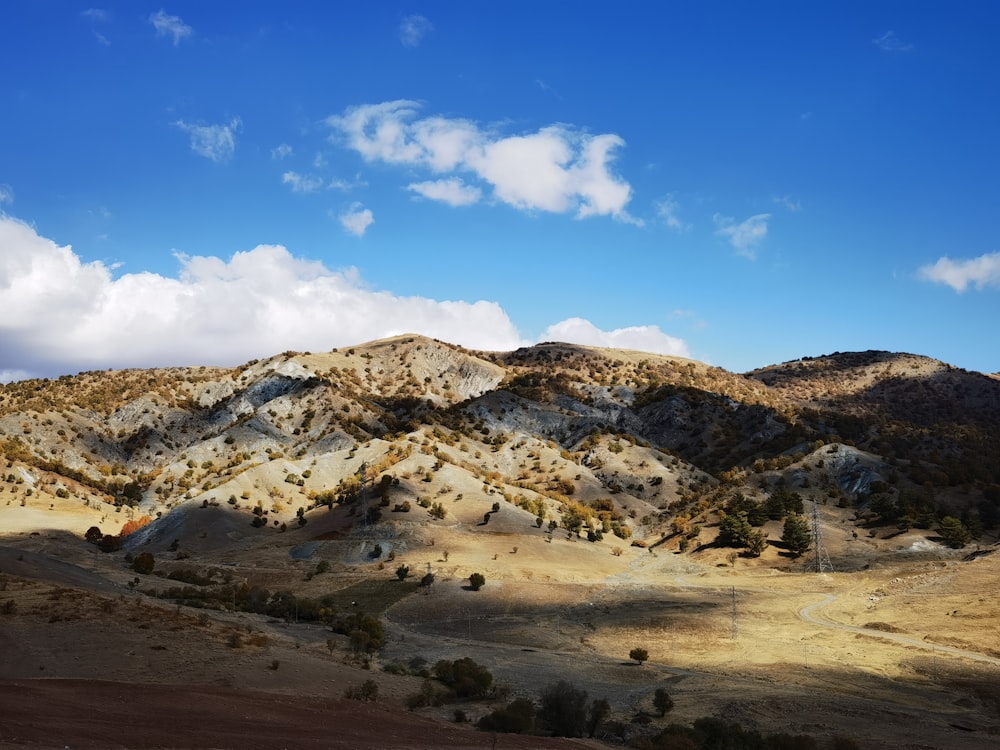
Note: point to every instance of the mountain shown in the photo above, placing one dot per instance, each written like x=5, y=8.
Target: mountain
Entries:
x=600, y=492
x=161, y=435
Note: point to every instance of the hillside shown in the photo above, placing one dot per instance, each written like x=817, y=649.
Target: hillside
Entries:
x=608, y=497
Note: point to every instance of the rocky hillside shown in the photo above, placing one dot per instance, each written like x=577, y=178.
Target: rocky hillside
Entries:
x=596, y=440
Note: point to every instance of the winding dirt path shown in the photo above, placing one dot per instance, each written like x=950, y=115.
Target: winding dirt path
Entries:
x=807, y=614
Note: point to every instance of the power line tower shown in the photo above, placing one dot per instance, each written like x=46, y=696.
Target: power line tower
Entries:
x=821, y=560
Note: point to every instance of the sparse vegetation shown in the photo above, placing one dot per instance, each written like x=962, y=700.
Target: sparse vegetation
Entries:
x=673, y=456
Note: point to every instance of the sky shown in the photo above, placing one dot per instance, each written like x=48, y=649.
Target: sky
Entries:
x=192, y=183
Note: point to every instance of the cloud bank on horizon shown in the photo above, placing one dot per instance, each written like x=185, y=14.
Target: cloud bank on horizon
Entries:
x=64, y=315
x=598, y=191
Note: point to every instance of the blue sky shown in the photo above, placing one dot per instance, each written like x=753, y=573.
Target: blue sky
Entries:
x=740, y=183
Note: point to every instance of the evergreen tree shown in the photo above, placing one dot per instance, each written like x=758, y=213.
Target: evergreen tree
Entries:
x=796, y=534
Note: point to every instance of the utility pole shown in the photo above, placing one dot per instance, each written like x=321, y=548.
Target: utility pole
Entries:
x=736, y=629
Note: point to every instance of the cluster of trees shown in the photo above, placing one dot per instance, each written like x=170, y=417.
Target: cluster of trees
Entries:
x=743, y=514
x=917, y=509
x=562, y=710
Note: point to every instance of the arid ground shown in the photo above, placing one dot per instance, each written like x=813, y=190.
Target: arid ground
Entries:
x=895, y=648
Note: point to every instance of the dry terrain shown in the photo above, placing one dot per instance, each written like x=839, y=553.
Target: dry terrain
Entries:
x=148, y=517
x=895, y=655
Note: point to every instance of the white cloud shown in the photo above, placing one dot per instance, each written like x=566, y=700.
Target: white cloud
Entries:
x=357, y=219
x=889, y=42
x=668, y=211
x=981, y=272
x=215, y=142
x=172, y=26
x=281, y=151
x=95, y=14
x=746, y=235
x=452, y=191
x=557, y=169
x=6, y=193
x=302, y=183
x=413, y=29
x=642, y=338
x=62, y=315
x=789, y=203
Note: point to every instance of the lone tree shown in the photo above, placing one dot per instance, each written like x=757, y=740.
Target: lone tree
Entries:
x=796, y=534
x=662, y=701
x=477, y=581
x=563, y=709
x=638, y=654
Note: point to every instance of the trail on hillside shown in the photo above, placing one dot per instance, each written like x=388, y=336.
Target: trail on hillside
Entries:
x=807, y=614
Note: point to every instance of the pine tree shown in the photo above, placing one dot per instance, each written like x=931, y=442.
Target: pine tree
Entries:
x=796, y=534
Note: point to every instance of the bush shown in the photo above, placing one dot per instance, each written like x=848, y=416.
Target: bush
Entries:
x=638, y=654
x=366, y=691
x=477, y=581
x=517, y=717
x=144, y=563
x=465, y=677
x=402, y=572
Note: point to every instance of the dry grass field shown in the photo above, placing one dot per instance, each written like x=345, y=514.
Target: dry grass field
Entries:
x=897, y=653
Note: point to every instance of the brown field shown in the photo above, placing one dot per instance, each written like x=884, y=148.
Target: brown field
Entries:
x=897, y=649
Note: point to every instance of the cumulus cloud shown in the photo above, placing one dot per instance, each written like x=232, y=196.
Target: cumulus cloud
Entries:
x=745, y=236
x=981, y=272
x=64, y=315
x=452, y=191
x=413, y=29
x=558, y=168
x=889, y=42
x=642, y=338
x=357, y=219
x=215, y=142
x=302, y=183
x=170, y=26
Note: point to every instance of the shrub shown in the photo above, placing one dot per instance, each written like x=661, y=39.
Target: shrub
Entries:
x=366, y=691
x=638, y=654
x=144, y=563
x=477, y=581
x=402, y=572
x=465, y=677
x=517, y=717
